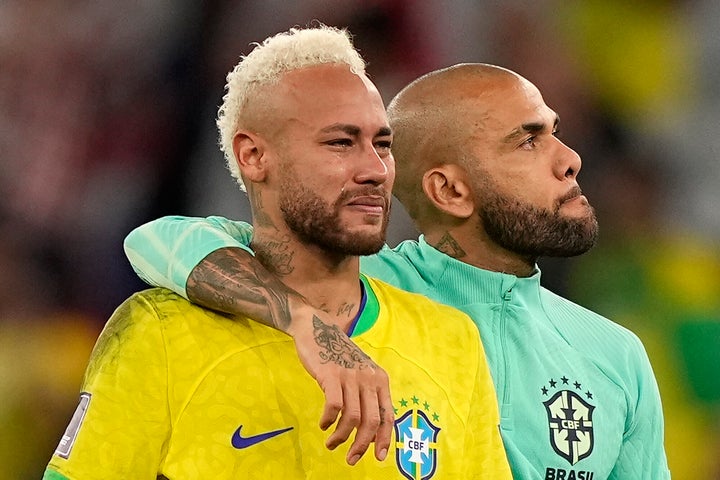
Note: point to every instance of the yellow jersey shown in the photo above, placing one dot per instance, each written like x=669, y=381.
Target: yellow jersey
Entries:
x=177, y=391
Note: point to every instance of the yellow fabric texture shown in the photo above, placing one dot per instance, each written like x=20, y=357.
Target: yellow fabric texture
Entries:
x=171, y=383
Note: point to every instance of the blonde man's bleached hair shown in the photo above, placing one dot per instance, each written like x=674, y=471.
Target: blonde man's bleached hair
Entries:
x=276, y=55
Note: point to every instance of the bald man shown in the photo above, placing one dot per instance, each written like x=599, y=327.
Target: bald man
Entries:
x=492, y=189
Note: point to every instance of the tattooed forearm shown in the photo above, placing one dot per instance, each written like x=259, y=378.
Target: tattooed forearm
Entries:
x=337, y=347
x=449, y=246
x=233, y=281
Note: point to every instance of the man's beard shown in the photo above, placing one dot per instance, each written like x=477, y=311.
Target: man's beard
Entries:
x=535, y=232
x=318, y=223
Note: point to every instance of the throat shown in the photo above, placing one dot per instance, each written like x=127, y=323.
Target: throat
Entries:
x=344, y=311
x=341, y=300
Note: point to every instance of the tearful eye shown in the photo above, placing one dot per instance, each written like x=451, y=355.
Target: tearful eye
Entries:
x=383, y=147
x=340, y=142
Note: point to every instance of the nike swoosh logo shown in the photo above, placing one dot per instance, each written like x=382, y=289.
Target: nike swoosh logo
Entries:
x=238, y=441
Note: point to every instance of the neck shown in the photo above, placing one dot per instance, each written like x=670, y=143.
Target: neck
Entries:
x=330, y=282
x=479, y=251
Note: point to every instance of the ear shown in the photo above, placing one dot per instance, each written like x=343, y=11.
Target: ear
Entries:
x=447, y=188
x=249, y=151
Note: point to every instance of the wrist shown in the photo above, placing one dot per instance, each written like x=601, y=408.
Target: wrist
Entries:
x=301, y=318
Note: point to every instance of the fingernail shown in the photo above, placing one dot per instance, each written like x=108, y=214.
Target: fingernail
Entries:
x=383, y=454
x=354, y=459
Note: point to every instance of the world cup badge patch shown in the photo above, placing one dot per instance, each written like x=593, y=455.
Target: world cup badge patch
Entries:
x=570, y=420
x=416, y=448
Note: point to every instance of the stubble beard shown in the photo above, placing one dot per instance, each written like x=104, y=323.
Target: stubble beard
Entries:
x=316, y=222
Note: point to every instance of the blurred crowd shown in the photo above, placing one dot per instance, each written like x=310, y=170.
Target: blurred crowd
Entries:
x=107, y=120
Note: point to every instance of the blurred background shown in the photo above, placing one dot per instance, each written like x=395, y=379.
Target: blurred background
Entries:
x=107, y=120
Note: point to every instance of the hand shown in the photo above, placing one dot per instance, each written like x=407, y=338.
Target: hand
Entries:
x=355, y=387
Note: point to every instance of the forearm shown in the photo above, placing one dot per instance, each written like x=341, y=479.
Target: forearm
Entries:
x=164, y=251
x=231, y=280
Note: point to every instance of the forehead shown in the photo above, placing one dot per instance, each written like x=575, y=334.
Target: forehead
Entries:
x=507, y=103
x=322, y=95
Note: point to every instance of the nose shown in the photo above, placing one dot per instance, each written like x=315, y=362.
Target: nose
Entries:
x=569, y=162
x=374, y=167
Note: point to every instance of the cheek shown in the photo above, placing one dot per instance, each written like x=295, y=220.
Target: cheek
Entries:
x=390, y=181
x=524, y=188
x=325, y=177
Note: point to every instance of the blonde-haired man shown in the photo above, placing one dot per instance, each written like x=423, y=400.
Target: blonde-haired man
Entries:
x=176, y=391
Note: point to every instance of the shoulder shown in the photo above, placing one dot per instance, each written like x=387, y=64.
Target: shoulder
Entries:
x=132, y=336
x=400, y=255
x=175, y=316
x=158, y=320
x=159, y=302
x=588, y=329
x=420, y=308
x=156, y=314
x=137, y=312
x=583, y=316
x=400, y=266
x=141, y=313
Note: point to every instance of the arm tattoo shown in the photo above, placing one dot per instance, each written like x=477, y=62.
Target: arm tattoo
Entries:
x=449, y=246
x=337, y=347
x=233, y=281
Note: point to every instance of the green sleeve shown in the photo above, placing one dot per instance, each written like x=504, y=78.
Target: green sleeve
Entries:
x=53, y=475
x=642, y=455
x=164, y=252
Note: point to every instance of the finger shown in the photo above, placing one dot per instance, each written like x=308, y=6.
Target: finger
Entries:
x=349, y=418
x=333, y=404
x=369, y=422
x=387, y=423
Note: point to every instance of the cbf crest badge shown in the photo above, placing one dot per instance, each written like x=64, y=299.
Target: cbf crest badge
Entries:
x=570, y=421
x=416, y=448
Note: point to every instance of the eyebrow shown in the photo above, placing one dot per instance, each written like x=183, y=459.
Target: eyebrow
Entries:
x=354, y=130
x=530, y=127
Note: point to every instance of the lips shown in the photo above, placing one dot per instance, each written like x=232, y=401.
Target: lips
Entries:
x=574, y=193
x=370, y=201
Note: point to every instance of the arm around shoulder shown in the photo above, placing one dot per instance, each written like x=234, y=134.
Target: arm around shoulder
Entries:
x=164, y=251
